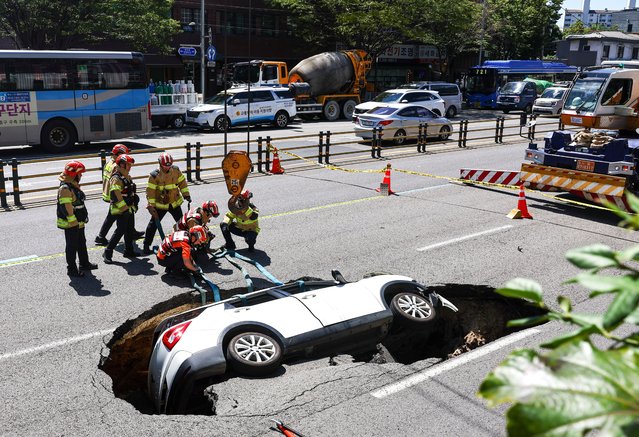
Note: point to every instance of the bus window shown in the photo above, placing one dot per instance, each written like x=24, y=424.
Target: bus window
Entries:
x=617, y=92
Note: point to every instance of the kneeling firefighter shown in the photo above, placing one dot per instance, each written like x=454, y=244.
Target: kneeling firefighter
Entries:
x=175, y=252
x=241, y=220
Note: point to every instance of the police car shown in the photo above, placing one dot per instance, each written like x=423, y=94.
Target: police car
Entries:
x=268, y=105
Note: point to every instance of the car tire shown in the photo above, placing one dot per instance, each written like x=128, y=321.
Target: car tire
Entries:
x=348, y=108
x=331, y=110
x=451, y=112
x=177, y=122
x=436, y=112
x=399, y=138
x=412, y=309
x=58, y=136
x=444, y=133
x=254, y=354
x=281, y=119
x=221, y=123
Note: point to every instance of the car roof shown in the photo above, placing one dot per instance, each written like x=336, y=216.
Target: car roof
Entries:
x=397, y=105
x=410, y=90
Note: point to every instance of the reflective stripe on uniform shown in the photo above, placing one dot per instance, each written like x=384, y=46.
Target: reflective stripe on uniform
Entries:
x=115, y=187
x=64, y=200
x=151, y=186
x=168, y=205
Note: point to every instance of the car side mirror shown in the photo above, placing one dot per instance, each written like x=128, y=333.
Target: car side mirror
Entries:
x=404, y=101
x=235, y=102
x=338, y=277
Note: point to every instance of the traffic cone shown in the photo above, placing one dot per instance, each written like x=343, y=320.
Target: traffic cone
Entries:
x=385, y=186
x=522, y=208
x=276, y=168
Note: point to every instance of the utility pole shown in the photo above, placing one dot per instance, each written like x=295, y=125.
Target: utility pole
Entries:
x=483, y=26
x=202, y=53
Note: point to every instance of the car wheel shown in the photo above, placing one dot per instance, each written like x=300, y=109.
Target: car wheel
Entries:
x=221, y=124
x=178, y=122
x=444, y=133
x=58, y=136
x=412, y=309
x=451, y=112
x=506, y=111
x=400, y=137
x=331, y=110
x=437, y=112
x=281, y=119
x=254, y=354
x=348, y=108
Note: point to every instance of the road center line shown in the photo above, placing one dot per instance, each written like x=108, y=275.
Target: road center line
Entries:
x=20, y=260
x=452, y=363
x=55, y=344
x=466, y=237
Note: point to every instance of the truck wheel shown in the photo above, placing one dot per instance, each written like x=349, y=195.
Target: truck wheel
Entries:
x=177, y=122
x=281, y=119
x=331, y=110
x=58, y=136
x=221, y=124
x=348, y=107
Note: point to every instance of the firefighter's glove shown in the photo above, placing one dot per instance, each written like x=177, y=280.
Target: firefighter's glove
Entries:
x=224, y=227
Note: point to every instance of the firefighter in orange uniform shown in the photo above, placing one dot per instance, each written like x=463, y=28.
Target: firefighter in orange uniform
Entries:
x=176, y=251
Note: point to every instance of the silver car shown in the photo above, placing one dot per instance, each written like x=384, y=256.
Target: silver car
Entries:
x=400, y=122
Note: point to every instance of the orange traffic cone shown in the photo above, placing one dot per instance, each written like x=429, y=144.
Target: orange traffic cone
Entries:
x=385, y=186
x=276, y=168
x=522, y=208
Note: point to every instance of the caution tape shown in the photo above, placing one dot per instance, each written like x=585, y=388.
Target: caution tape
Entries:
x=326, y=166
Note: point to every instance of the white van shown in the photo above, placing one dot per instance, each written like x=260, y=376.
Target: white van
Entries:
x=450, y=92
x=269, y=105
x=551, y=101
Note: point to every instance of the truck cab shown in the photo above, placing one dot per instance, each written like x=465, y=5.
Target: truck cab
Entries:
x=261, y=73
x=517, y=96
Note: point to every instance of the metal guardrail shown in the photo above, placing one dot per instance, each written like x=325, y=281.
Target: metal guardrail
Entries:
x=195, y=157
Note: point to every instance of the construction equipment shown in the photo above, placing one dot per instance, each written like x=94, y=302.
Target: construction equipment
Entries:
x=327, y=84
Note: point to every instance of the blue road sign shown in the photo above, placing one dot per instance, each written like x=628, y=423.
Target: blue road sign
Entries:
x=210, y=53
x=187, y=51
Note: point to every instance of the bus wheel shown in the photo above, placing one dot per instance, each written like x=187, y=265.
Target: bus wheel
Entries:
x=58, y=136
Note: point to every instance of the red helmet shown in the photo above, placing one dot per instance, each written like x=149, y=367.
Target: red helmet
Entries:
x=74, y=168
x=124, y=159
x=211, y=208
x=246, y=194
x=165, y=160
x=198, y=235
x=120, y=149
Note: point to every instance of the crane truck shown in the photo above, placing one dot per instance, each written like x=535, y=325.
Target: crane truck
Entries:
x=600, y=162
x=326, y=85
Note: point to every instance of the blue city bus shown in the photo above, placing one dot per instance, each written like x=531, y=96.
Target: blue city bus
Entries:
x=482, y=82
x=58, y=98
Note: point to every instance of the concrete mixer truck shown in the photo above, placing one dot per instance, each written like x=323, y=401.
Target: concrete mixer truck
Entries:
x=326, y=85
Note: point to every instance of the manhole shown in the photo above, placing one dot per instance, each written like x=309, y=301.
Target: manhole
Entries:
x=482, y=318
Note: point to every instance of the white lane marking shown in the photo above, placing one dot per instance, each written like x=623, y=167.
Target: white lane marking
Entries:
x=452, y=363
x=465, y=237
x=13, y=260
x=56, y=344
x=416, y=190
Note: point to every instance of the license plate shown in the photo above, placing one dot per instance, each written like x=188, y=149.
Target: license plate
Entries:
x=577, y=120
x=585, y=165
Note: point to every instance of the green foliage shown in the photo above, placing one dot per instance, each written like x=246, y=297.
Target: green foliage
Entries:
x=579, y=28
x=575, y=387
x=61, y=24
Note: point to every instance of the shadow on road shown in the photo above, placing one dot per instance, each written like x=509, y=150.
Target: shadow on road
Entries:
x=88, y=286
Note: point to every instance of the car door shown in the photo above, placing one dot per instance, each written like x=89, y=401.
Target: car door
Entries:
x=427, y=117
x=238, y=112
x=409, y=121
x=262, y=107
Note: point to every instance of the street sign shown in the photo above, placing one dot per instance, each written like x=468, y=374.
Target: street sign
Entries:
x=210, y=53
x=187, y=51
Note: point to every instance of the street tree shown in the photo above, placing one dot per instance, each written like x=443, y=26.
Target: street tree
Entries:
x=579, y=28
x=59, y=24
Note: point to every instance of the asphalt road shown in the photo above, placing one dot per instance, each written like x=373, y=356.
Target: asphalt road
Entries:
x=55, y=329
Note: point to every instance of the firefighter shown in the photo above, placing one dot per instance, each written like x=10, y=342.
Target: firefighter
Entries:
x=241, y=220
x=199, y=216
x=124, y=204
x=72, y=216
x=176, y=251
x=165, y=192
x=107, y=172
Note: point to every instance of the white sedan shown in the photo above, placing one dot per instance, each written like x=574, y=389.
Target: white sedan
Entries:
x=400, y=122
x=253, y=333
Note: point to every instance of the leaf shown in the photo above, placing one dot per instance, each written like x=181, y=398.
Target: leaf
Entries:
x=581, y=334
x=568, y=391
x=596, y=256
x=629, y=254
x=624, y=303
x=564, y=303
x=522, y=288
x=605, y=284
x=633, y=317
x=528, y=321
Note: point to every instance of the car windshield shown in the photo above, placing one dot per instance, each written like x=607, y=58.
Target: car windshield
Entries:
x=388, y=97
x=513, y=88
x=584, y=93
x=382, y=110
x=553, y=93
x=218, y=99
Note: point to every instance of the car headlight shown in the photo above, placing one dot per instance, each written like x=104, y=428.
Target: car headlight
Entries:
x=516, y=99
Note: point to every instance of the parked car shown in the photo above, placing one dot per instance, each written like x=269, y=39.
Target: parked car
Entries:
x=269, y=105
x=400, y=122
x=551, y=101
x=517, y=96
x=253, y=333
x=427, y=99
x=449, y=92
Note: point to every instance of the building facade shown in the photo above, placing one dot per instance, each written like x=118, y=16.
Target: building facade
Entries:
x=591, y=49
